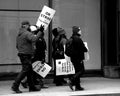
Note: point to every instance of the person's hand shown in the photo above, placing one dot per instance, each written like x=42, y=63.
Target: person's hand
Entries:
x=41, y=28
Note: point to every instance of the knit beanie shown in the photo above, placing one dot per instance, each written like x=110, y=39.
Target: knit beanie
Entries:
x=75, y=29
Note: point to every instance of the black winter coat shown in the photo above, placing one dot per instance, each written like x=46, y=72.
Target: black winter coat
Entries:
x=78, y=48
x=58, y=48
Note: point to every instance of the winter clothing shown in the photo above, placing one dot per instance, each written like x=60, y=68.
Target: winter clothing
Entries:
x=58, y=52
x=40, y=49
x=39, y=54
x=24, y=42
x=77, y=58
x=75, y=29
x=25, y=23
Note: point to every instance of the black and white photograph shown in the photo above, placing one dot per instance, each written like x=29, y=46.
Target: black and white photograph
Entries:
x=59, y=48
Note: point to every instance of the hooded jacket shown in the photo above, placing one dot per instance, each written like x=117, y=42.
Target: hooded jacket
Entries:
x=25, y=40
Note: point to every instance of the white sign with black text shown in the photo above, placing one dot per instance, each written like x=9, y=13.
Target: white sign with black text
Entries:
x=64, y=67
x=41, y=69
x=45, y=17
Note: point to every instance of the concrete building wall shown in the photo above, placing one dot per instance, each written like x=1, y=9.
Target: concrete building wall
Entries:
x=12, y=13
x=84, y=13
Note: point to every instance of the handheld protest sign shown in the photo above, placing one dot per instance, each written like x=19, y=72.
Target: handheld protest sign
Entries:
x=45, y=17
x=86, y=45
x=86, y=54
x=41, y=69
x=64, y=67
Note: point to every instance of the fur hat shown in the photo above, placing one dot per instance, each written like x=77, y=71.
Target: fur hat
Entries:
x=75, y=29
x=25, y=23
x=58, y=31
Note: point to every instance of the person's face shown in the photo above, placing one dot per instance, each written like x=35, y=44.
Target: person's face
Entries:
x=27, y=26
x=80, y=32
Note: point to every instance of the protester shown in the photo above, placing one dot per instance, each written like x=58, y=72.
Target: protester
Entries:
x=77, y=56
x=24, y=44
x=39, y=55
x=58, y=52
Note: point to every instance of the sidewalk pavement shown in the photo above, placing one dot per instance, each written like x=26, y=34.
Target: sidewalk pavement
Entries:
x=92, y=85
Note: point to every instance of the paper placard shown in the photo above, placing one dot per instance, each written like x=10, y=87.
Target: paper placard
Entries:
x=86, y=54
x=45, y=17
x=64, y=67
x=41, y=69
x=86, y=45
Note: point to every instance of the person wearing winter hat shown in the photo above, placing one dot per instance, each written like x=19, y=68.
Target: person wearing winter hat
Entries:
x=24, y=41
x=25, y=23
x=58, y=43
x=77, y=58
x=76, y=30
x=39, y=54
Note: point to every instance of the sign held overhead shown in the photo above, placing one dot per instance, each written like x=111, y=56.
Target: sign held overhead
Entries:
x=45, y=17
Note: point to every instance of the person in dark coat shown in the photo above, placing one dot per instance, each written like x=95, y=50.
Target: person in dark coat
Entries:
x=77, y=58
x=39, y=55
x=58, y=52
x=24, y=44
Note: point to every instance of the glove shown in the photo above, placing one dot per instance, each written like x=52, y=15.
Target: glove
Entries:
x=43, y=61
x=41, y=28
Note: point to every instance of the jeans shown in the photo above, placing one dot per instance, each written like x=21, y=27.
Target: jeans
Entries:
x=26, y=71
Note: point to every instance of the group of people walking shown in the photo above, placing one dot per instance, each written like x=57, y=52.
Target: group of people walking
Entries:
x=31, y=47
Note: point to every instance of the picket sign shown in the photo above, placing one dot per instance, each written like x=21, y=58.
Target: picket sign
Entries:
x=86, y=54
x=86, y=45
x=64, y=67
x=45, y=17
x=41, y=69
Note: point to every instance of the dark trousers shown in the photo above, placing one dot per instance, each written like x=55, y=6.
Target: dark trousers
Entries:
x=57, y=79
x=26, y=71
x=37, y=78
x=38, y=56
x=79, y=70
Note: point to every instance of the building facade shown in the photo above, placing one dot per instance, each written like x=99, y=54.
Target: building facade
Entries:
x=98, y=19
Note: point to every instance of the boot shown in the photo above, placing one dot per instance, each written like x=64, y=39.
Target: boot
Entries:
x=64, y=81
x=58, y=84
x=34, y=89
x=15, y=89
x=78, y=88
x=70, y=84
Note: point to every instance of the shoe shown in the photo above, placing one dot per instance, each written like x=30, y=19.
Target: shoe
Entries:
x=16, y=90
x=44, y=86
x=64, y=82
x=70, y=85
x=59, y=84
x=24, y=85
x=79, y=89
x=34, y=89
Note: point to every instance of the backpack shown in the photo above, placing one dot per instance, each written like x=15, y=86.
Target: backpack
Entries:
x=58, y=51
x=69, y=47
